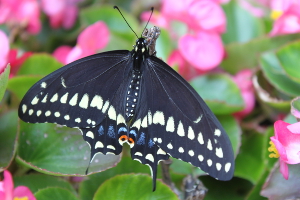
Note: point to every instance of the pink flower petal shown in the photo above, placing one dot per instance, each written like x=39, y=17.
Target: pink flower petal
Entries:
x=70, y=16
x=184, y=68
x=281, y=5
x=53, y=7
x=284, y=170
x=207, y=15
x=288, y=22
x=280, y=148
x=294, y=128
x=157, y=18
x=75, y=54
x=93, y=38
x=255, y=11
x=204, y=51
x=176, y=9
x=244, y=82
x=7, y=186
x=61, y=53
x=29, y=11
x=22, y=192
x=3, y=50
x=16, y=62
x=289, y=140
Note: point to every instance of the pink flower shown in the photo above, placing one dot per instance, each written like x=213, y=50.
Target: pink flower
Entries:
x=93, y=38
x=288, y=22
x=3, y=50
x=204, y=51
x=184, y=68
x=253, y=9
x=176, y=10
x=157, y=18
x=61, y=12
x=16, y=61
x=21, y=12
x=244, y=82
x=282, y=5
x=221, y=1
x=197, y=14
x=206, y=15
x=61, y=53
x=7, y=191
x=287, y=144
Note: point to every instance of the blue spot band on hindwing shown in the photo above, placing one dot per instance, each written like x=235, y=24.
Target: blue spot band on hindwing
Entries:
x=111, y=132
x=150, y=143
x=141, y=140
x=133, y=133
x=101, y=130
x=122, y=129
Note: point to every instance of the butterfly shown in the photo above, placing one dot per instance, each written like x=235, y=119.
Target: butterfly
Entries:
x=132, y=97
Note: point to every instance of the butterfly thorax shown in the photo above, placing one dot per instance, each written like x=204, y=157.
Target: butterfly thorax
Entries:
x=139, y=53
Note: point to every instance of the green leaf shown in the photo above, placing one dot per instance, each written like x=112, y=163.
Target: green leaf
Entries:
x=4, y=80
x=245, y=55
x=276, y=76
x=112, y=18
x=269, y=163
x=295, y=107
x=249, y=162
x=19, y=85
x=54, y=193
x=181, y=167
x=8, y=138
x=88, y=187
x=117, y=43
x=273, y=101
x=133, y=187
x=233, y=130
x=289, y=59
x=39, y=64
x=219, y=92
x=241, y=25
x=164, y=45
x=58, y=150
x=36, y=182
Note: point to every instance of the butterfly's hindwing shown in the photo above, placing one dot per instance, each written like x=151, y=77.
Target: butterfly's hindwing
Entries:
x=79, y=94
x=105, y=137
x=182, y=124
x=144, y=149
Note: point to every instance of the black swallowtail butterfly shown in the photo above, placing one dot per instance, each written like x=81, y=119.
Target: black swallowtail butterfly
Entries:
x=132, y=97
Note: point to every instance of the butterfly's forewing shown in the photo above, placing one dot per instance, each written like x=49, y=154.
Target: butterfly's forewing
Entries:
x=78, y=94
x=182, y=124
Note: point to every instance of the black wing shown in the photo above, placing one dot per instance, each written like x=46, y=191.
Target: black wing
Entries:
x=80, y=93
x=88, y=94
x=180, y=123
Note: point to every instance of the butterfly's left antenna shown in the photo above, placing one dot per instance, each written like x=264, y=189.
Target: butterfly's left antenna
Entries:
x=116, y=7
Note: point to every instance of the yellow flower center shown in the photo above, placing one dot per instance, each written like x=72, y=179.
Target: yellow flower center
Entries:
x=275, y=14
x=21, y=198
x=273, y=149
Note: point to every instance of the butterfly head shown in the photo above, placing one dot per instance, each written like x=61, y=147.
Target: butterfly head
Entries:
x=141, y=46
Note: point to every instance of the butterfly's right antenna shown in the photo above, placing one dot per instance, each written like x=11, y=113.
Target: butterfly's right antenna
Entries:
x=116, y=7
x=148, y=19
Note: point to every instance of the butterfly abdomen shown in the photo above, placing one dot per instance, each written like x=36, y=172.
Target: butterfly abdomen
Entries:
x=133, y=92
